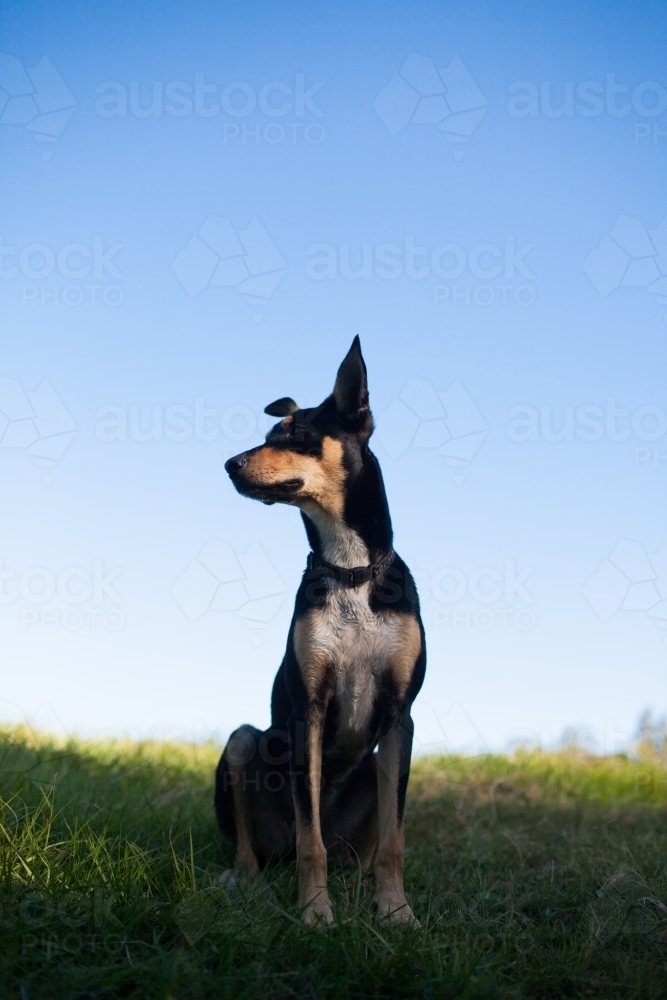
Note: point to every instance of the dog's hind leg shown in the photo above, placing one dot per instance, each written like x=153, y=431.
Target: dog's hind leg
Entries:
x=253, y=799
x=365, y=838
x=350, y=817
x=234, y=812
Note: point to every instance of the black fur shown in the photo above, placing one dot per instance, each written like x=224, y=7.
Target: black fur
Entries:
x=274, y=763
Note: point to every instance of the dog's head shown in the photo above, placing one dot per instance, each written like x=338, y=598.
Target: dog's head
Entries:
x=311, y=454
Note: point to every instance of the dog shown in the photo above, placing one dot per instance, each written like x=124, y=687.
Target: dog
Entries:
x=313, y=785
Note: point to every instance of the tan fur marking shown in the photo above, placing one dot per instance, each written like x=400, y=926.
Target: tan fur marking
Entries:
x=329, y=488
x=323, y=477
x=403, y=662
x=313, y=662
x=316, y=648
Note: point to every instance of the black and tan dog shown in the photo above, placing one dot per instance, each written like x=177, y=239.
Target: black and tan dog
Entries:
x=312, y=784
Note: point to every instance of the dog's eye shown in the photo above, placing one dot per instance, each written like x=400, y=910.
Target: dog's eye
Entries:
x=305, y=440
x=305, y=436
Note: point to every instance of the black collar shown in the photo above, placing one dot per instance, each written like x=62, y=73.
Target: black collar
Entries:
x=351, y=577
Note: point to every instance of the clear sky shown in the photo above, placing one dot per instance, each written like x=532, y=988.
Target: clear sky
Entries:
x=202, y=205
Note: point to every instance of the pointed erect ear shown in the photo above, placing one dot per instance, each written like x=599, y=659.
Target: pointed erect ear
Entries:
x=282, y=407
x=351, y=389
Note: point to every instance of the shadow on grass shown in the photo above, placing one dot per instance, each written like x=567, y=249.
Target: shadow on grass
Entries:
x=134, y=790
x=534, y=876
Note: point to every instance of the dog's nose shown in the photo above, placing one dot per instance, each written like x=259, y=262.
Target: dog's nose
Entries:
x=235, y=464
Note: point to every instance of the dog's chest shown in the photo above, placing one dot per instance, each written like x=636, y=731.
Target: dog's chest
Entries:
x=360, y=645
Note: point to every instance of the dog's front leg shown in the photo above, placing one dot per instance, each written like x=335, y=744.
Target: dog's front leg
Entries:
x=306, y=772
x=393, y=771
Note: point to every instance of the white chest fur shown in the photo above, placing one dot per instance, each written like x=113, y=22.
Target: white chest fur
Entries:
x=359, y=645
x=345, y=638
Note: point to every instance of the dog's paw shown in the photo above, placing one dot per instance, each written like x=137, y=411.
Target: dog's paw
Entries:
x=240, y=877
x=318, y=912
x=395, y=911
x=228, y=880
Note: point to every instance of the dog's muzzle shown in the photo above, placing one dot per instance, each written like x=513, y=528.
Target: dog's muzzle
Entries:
x=268, y=493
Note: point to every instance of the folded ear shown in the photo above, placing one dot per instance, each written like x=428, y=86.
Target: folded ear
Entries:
x=351, y=389
x=281, y=407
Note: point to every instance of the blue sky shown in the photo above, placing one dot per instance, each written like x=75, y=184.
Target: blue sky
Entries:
x=513, y=258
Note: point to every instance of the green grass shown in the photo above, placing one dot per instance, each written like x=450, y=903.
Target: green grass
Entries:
x=538, y=875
